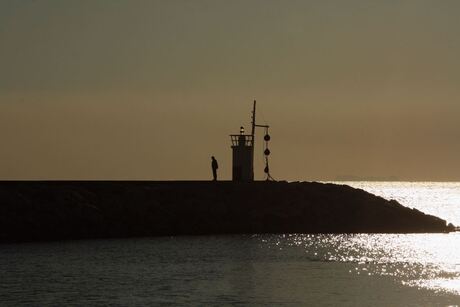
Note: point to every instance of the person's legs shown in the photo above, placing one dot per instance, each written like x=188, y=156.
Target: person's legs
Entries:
x=214, y=174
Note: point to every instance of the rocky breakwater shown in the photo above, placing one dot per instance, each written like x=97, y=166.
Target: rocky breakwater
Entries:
x=59, y=210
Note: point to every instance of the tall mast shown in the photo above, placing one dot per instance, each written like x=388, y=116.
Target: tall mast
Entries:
x=253, y=119
x=253, y=132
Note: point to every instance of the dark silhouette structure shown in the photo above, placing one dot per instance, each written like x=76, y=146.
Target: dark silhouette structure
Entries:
x=243, y=152
x=59, y=210
x=214, y=166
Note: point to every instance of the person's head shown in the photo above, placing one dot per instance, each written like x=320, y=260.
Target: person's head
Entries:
x=213, y=158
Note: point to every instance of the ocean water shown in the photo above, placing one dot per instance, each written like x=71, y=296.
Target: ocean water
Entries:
x=309, y=270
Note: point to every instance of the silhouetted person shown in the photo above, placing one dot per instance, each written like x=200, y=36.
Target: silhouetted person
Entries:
x=214, y=166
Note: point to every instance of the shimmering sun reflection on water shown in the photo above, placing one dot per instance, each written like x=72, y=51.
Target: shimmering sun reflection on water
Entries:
x=428, y=261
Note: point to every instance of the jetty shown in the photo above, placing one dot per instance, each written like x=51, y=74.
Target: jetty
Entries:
x=64, y=210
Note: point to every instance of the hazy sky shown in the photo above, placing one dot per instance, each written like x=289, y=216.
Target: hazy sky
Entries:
x=151, y=89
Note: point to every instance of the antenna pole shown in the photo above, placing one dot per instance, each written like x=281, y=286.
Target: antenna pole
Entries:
x=253, y=119
x=253, y=132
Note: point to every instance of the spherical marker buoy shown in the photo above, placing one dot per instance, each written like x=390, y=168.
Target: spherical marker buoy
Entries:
x=267, y=152
x=267, y=137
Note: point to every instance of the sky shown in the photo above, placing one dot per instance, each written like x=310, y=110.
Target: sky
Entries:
x=136, y=89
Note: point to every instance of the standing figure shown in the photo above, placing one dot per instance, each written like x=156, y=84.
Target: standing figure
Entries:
x=214, y=167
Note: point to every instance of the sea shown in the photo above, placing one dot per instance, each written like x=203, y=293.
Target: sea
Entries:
x=249, y=270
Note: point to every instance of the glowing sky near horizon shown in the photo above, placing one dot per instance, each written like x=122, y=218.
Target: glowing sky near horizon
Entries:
x=151, y=89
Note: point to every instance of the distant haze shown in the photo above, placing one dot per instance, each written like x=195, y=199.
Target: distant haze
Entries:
x=151, y=89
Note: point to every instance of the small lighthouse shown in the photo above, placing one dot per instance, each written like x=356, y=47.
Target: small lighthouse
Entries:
x=243, y=152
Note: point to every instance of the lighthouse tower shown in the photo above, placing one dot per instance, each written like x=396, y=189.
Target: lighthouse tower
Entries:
x=243, y=152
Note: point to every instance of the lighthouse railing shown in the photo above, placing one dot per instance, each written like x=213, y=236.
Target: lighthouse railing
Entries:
x=242, y=140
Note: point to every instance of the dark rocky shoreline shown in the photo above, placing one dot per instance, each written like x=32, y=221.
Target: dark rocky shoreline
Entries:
x=62, y=210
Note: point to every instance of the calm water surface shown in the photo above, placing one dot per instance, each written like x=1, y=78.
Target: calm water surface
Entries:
x=377, y=270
